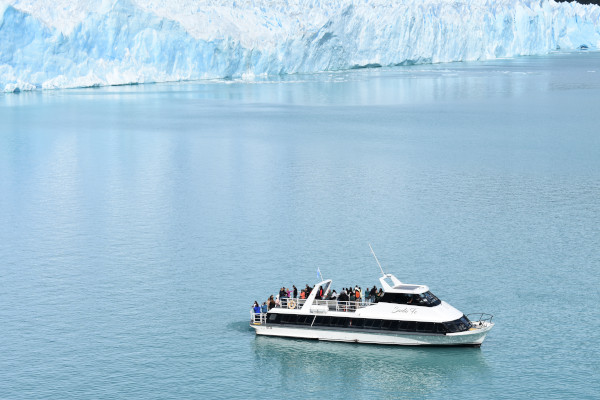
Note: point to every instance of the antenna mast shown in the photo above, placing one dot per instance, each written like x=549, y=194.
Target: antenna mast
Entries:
x=372, y=252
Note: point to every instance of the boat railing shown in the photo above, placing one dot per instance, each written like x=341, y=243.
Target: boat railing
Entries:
x=348, y=306
x=258, y=318
x=321, y=306
x=332, y=305
x=480, y=318
x=291, y=303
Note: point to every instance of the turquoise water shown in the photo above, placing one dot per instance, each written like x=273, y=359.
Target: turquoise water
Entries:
x=139, y=224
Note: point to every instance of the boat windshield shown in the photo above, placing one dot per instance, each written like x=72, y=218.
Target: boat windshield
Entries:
x=426, y=299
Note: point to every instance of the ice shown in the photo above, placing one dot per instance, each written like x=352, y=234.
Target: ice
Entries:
x=65, y=43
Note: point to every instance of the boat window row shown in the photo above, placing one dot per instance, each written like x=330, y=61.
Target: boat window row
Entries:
x=426, y=299
x=459, y=325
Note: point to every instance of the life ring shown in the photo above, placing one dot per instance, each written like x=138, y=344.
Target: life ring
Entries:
x=291, y=304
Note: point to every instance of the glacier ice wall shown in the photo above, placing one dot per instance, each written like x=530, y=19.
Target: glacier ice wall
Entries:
x=69, y=43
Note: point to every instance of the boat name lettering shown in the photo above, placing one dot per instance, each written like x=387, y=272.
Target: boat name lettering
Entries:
x=405, y=310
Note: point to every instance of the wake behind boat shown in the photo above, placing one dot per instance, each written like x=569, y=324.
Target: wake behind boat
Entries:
x=405, y=314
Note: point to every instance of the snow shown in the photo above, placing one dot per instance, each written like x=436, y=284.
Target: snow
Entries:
x=52, y=44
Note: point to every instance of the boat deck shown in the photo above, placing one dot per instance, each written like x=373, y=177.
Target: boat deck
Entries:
x=317, y=307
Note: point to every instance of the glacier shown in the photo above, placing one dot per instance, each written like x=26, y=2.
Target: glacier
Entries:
x=49, y=44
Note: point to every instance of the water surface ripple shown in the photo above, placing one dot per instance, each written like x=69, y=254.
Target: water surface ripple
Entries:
x=140, y=223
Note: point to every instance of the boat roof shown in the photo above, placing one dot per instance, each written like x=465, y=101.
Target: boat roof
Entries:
x=399, y=287
x=409, y=289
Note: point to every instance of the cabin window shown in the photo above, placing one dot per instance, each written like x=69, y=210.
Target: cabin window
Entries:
x=322, y=321
x=426, y=299
x=460, y=325
x=369, y=323
x=386, y=324
x=396, y=298
x=425, y=327
x=466, y=321
x=412, y=326
x=274, y=318
x=338, y=321
x=356, y=323
x=440, y=328
x=463, y=324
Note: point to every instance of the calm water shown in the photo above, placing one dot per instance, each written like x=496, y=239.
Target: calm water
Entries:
x=138, y=225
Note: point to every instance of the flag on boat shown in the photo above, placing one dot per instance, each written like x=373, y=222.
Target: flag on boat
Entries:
x=319, y=276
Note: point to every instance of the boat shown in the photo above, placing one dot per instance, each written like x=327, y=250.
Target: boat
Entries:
x=405, y=314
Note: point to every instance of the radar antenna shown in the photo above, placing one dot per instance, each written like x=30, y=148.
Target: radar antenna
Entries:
x=372, y=252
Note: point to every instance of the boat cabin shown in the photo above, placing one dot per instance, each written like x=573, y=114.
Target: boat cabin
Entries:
x=403, y=293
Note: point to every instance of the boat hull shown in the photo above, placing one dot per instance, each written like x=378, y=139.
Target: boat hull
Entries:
x=468, y=338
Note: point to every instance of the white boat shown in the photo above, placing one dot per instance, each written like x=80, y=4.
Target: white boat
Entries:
x=405, y=315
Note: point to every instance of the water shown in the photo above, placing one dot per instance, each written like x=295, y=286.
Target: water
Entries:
x=139, y=224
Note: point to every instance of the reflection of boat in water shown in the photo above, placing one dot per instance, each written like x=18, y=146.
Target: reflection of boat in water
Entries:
x=405, y=315
x=415, y=372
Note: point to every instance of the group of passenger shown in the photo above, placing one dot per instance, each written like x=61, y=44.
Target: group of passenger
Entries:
x=346, y=294
x=358, y=294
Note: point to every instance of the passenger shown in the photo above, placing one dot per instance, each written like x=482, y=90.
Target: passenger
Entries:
x=271, y=302
x=410, y=299
x=343, y=296
x=295, y=291
x=288, y=293
x=264, y=308
x=256, y=308
x=373, y=293
x=277, y=302
x=303, y=294
x=333, y=295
